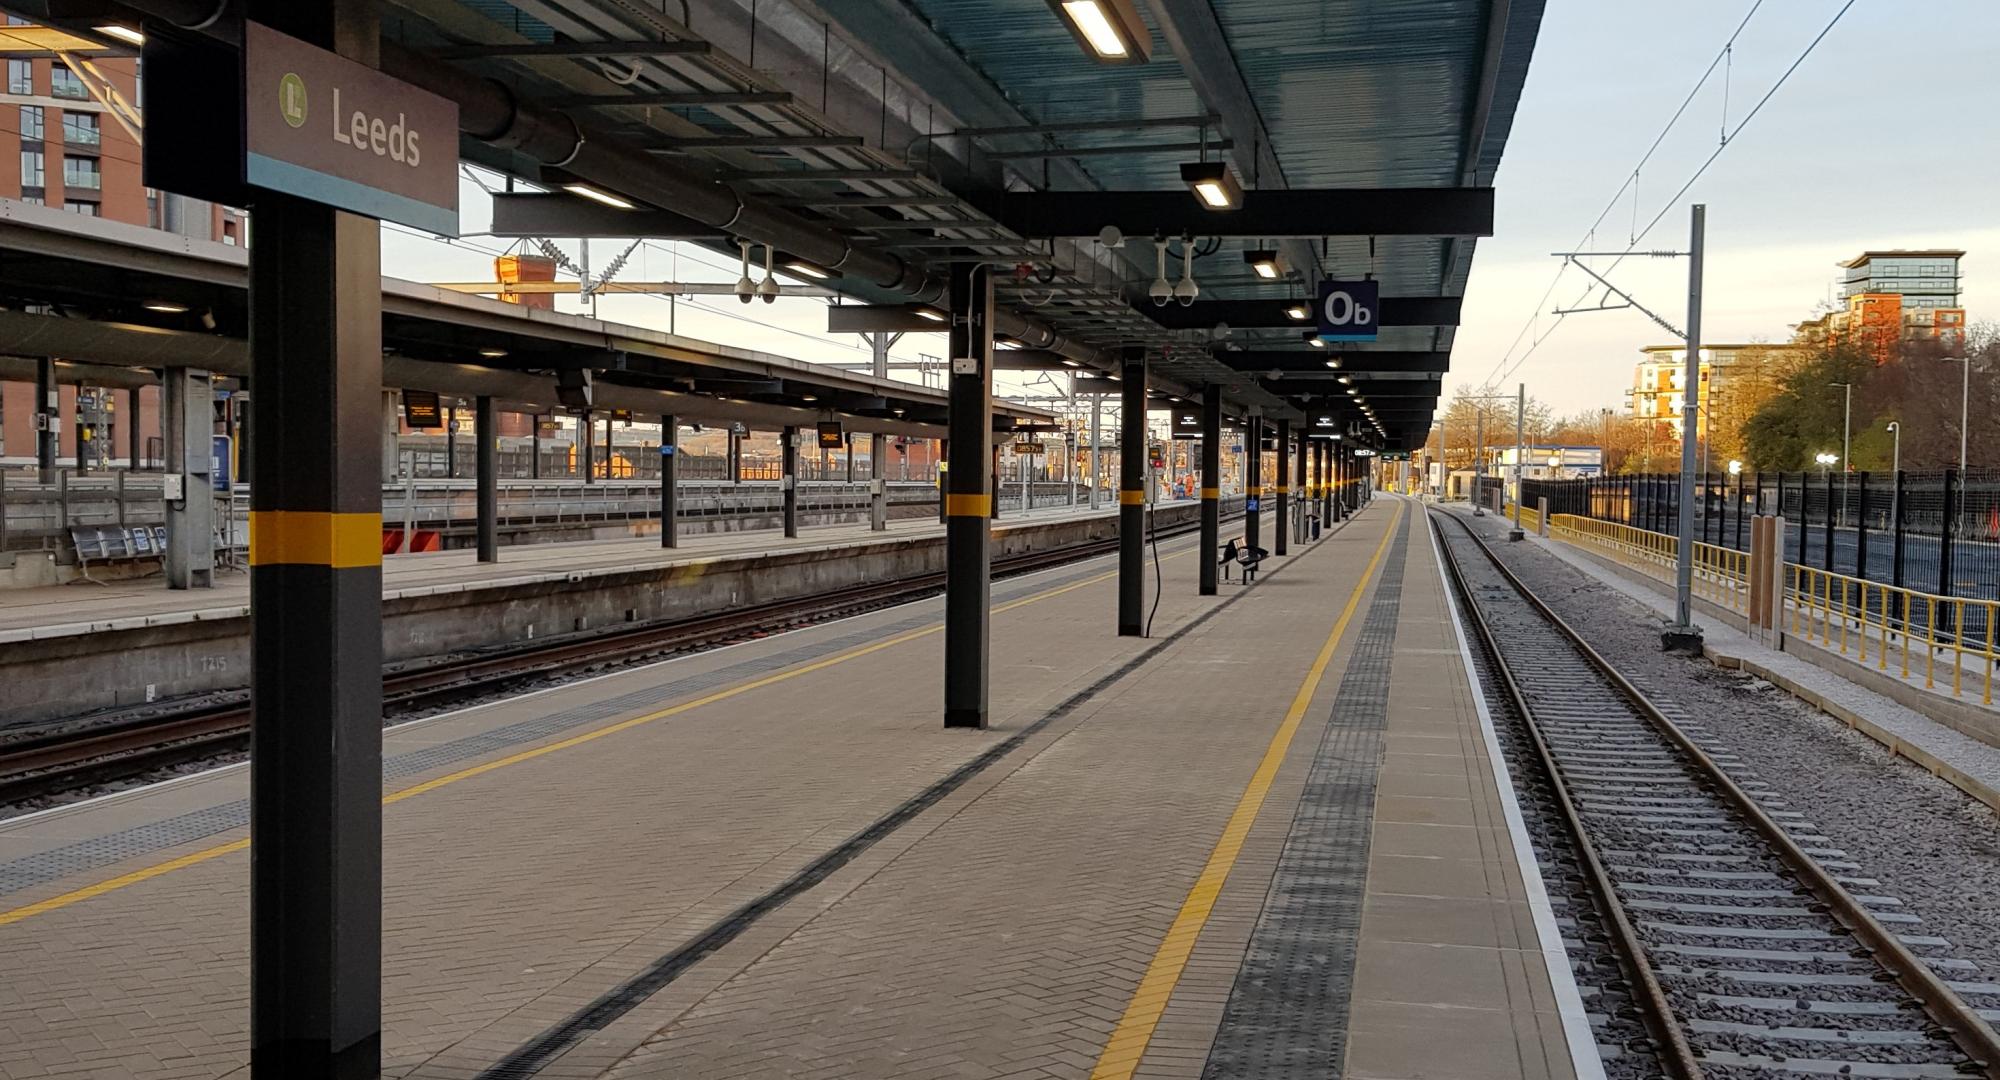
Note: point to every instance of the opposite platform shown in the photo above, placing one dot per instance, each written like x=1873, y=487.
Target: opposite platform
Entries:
x=1111, y=881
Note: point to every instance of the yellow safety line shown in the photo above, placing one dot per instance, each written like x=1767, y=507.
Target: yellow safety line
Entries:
x=147, y=873
x=1134, y=1032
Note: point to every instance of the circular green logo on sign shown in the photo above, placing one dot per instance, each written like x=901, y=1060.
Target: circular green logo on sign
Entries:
x=292, y=99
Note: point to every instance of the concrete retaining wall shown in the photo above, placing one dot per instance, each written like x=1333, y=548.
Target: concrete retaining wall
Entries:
x=65, y=675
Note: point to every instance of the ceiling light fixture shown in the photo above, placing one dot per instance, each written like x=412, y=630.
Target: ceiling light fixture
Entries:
x=165, y=307
x=123, y=33
x=1214, y=186
x=596, y=195
x=1067, y=362
x=1265, y=262
x=1299, y=312
x=1316, y=343
x=1344, y=380
x=932, y=314
x=1109, y=30
x=492, y=354
x=808, y=270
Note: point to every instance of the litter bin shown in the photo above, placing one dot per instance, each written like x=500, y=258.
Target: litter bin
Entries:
x=1312, y=525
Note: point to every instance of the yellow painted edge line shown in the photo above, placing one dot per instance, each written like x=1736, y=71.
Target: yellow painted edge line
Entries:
x=147, y=873
x=1128, y=1041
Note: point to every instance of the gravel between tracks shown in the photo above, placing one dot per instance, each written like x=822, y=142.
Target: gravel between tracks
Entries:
x=1932, y=845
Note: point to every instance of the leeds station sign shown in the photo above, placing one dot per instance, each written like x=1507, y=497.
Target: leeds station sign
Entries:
x=309, y=124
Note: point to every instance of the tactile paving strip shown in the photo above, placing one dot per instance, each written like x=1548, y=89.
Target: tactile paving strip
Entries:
x=1287, y=1012
x=100, y=851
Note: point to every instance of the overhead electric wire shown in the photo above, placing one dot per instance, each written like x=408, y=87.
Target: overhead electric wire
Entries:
x=1728, y=140
x=1631, y=178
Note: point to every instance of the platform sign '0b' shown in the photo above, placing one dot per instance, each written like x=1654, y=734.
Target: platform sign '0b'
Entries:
x=1349, y=310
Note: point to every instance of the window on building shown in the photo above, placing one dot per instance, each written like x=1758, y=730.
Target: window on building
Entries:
x=152, y=208
x=80, y=128
x=34, y=200
x=20, y=77
x=31, y=169
x=63, y=83
x=31, y=122
x=81, y=172
x=81, y=209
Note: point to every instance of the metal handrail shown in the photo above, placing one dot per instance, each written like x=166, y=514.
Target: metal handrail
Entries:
x=1839, y=611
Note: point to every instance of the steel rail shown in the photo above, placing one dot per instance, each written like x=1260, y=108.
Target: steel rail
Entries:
x=1959, y=1020
x=55, y=761
x=1670, y=1041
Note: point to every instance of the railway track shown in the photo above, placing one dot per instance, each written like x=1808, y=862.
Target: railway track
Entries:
x=1721, y=924
x=77, y=753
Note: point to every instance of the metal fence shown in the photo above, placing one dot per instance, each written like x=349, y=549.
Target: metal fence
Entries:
x=1936, y=532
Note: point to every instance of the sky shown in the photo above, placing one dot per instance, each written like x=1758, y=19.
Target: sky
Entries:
x=1885, y=137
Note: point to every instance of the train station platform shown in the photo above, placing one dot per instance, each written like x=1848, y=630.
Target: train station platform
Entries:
x=1274, y=838
x=71, y=649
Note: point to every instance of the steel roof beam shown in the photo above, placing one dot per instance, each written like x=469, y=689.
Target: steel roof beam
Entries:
x=1270, y=314
x=670, y=99
x=1351, y=361
x=534, y=214
x=755, y=142
x=1041, y=152
x=1264, y=214
x=567, y=50
x=1142, y=124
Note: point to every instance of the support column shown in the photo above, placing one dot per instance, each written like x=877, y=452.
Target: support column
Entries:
x=48, y=417
x=451, y=440
x=878, y=487
x=186, y=425
x=1299, y=482
x=1282, y=532
x=485, y=468
x=1096, y=433
x=316, y=616
x=1253, y=478
x=391, y=433
x=1211, y=485
x=135, y=441
x=586, y=448
x=967, y=499
x=788, y=479
x=670, y=457
x=535, y=447
x=1132, y=492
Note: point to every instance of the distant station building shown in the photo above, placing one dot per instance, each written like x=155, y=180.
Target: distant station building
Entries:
x=1895, y=296
x=70, y=116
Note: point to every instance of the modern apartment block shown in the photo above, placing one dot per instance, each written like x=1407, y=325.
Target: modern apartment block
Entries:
x=70, y=139
x=1893, y=296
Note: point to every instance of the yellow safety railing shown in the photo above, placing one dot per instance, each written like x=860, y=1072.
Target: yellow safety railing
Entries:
x=1854, y=616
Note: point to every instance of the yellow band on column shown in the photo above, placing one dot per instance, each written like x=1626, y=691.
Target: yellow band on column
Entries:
x=1283, y=490
x=1211, y=493
x=1255, y=491
x=315, y=538
x=1131, y=498
x=968, y=505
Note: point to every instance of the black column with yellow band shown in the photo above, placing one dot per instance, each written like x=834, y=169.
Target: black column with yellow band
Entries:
x=968, y=499
x=486, y=478
x=1132, y=493
x=1211, y=484
x=788, y=472
x=1303, y=480
x=1283, y=529
x=316, y=613
x=1253, y=478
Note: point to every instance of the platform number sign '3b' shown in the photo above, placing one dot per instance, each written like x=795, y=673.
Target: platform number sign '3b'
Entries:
x=1349, y=310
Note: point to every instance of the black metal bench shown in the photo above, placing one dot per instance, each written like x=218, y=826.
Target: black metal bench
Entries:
x=1241, y=555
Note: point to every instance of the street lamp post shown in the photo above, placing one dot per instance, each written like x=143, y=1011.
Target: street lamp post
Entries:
x=1895, y=473
x=1846, y=444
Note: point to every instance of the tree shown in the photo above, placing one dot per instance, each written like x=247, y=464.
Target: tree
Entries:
x=1460, y=424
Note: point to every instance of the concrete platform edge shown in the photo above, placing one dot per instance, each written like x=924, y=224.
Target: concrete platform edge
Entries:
x=1582, y=1042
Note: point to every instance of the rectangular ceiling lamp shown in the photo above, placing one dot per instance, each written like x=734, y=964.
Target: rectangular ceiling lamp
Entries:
x=1109, y=30
x=1265, y=264
x=1214, y=186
